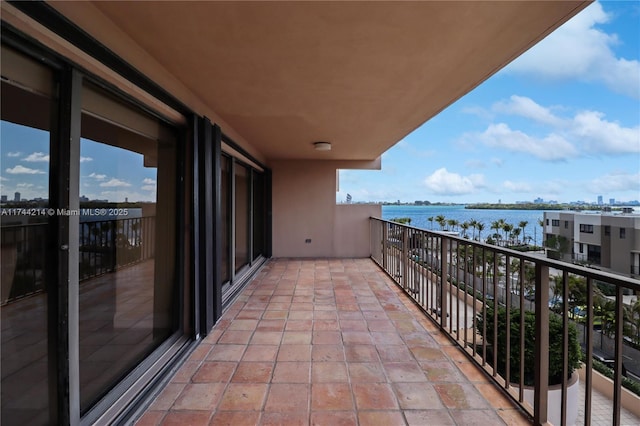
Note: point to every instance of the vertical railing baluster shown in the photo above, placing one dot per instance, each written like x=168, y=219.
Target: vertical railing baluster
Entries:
x=442, y=294
x=523, y=315
x=507, y=295
x=541, y=347
x=565, y=344
x=404, y=257
x=617, y=368
x=588, y=382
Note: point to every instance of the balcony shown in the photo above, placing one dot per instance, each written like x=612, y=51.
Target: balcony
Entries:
x=328, y=342
x=342, y=342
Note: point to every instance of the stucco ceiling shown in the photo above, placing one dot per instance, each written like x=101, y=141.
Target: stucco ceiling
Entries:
x=359, y=75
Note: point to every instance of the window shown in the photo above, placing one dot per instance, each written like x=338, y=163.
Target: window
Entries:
x=27, y=142
x=555, y=222
x=623, y=233
x=607, y=231
x=587, y=229
x=593, y=254
x=581, y=248
x=241, y=216
x=128, y=290
x=566, y=224
x=225, y=184
x=547, y=222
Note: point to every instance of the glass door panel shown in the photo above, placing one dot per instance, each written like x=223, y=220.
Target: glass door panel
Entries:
x=24, y=231
x=241, y=216
x=127, y=241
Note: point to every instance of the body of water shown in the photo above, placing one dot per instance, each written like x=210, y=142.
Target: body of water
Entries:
x=420, y=218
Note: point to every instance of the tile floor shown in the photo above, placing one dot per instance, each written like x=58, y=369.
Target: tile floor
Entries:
x=327, y=342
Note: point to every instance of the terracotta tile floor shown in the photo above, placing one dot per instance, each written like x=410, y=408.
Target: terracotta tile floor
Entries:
x=327, y=342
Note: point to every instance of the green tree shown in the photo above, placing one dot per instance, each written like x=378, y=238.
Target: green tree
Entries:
x=480, y=227
x=522, y=225
x=507, y=228
x=431, y=219
x=441, y=221
x=403, y=220
x=464, y=226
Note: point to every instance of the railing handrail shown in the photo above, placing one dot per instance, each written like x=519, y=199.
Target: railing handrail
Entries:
x=457, y=282
x=595, y=274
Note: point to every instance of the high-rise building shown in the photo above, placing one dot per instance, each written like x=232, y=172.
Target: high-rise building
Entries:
x=599, y=200
x=16, y=196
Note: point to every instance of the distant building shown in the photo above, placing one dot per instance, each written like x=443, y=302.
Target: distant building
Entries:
x=600, y=200
x=16, y=196
x=83, y=199
x=3, y=198
x=608, y=241
x=538, y=200
x=612, y=201
x=348, y=198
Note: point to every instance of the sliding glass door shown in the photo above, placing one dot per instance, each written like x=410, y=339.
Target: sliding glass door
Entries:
x=87, y=292
x=28, y=105
x=127, y=240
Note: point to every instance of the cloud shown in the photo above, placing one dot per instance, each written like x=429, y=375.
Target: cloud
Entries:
x=14, y=154
x=115, y=183
x=21, y=170
x=85, y=159
x=527, y=108
x=443, y=182
x=517, y=186
x=579, y=50
x=37, y=157
x=3, y=179
x=25, y=185
x=587, y=131
x=616, y=181
x=604, y=136
x=149, y=181
x=97, y=176
x=552, y=147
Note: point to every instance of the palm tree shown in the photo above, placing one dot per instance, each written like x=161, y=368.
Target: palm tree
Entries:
x=430, y=219
x=523, y=224
x=480, y=227
x=515, y=234
x=452, y=224
x=473, y=223
x=441, y=221
x=507, y=228
x=496, y=225
x=535, y=240
x=464, y=226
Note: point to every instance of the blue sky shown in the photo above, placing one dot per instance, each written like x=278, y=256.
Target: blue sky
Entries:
x=106, y=172
x=561, y=122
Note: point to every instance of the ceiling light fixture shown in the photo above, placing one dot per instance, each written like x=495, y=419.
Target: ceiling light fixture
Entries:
x=322, y=146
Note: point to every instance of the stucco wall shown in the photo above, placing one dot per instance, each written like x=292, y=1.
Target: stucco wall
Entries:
x=304, y=208
x=352, y=233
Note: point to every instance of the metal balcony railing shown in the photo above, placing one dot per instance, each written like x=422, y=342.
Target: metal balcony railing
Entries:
x=105, y=246
x=525, y=319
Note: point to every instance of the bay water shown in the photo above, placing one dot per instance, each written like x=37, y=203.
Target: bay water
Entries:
x=420, y=217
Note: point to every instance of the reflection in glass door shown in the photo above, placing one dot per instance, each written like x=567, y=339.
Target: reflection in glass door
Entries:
x=127, y=241
x=27, y=89
x=241, y=216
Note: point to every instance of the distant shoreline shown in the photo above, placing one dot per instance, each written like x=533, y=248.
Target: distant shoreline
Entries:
x=537, y=206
